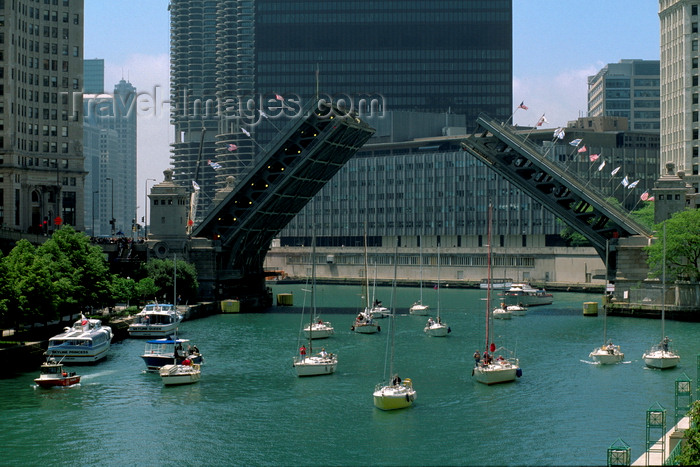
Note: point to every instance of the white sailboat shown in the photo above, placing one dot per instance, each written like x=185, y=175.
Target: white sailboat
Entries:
x=436, y=328
x=661, y=356
x=364, y=322
x=487, y=369
x=307, y=364
x=378, y=310
x=317, y=328
x=608, y=353
x=419, y=308
x=393, y=393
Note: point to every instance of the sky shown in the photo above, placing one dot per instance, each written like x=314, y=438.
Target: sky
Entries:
x=557, y=45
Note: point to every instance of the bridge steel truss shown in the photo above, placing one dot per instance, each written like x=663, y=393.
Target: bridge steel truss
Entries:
x=521, y=162
x=289, y=173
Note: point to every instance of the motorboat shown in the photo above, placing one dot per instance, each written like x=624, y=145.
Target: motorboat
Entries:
x=393, y=394
x=397, y=395
x=436, y=328
x=524, y=294
x=487, y=369
x=87, y=341
x=155, y=320
x=517, y=310
x=185, y=373
x=307, y=364
x=607, y=354
x=169, y=351
x=502, y=313
x=53, y=375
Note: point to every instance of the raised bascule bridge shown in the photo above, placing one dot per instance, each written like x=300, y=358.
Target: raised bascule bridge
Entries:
x=617, y=237
x=293, y=168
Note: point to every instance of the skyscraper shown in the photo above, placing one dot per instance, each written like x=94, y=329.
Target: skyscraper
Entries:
x=41, y=53
x=680, y=89
x=232, y=60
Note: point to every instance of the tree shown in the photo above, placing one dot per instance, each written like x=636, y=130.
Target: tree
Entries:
x=161, y=271
x=644, y=215
x=690, y=452
x=146, y=289
x=123, y=289
x=682, y=247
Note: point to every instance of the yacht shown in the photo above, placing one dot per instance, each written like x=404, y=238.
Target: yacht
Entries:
x=524, y=294
x=88, y=341
x=155, y=320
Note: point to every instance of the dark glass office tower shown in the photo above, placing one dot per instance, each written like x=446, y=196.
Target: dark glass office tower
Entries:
x=230, y=60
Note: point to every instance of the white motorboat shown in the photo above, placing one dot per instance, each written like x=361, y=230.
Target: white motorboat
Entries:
x=487, y=369
x=394, y=393
x=517, y=310
x=608, y=353
x=661, y=356
x=502, y=313
x=173, y=375
x=319, y=330
x=169, y=351
x=436, y=328
x=419, y=308
x=155, y=320
x=524, y=294
x=307, y=364
x=88, y=341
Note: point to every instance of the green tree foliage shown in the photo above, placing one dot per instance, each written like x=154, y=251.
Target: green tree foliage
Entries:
x=682, y=247
x=690, y=452
x=644, y=215
x=146, y=289
x=161, y=271
x=123, y=289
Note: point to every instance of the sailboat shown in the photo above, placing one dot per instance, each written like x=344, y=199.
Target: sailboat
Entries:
x=487, y=369
x=317, y=328
x=364, y=323
x=378, y=310
x=419, y=308
x=660, y=355
x=393, y=393
x=307, y=364
x=436, y=328
x=607, y=353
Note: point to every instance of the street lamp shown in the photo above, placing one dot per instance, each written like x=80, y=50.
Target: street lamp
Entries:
x=145, y=207
x=93, y=211
x=111, y=221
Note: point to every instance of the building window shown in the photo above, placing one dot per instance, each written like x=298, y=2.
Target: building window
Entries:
x=694, y=28
x=695, y=98
x=694, y=10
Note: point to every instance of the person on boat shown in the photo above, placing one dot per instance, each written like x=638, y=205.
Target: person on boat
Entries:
x=320, y=321
x=611, y=348
x=302, y=351
x=396, y=380
x=195, y=350
x=664, y=343
x=487, y=358
x=323, y=352
x=430, y=321
x=187, y=362
x=477, y=358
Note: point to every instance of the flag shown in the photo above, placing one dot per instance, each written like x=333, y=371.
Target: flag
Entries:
x=615, y=171
x=541, y=120
x=278, y=97
x=644, y=196
x=195, y=185
x=575, y=142
x=214, y=165
x=232, y=147
x=522, y=106
x=245, y=132
x=633, y=184
x=582, y=149
x=600, y=167
x=594, y=157
x=559, y=133
x=651, y=198
x=625, y=182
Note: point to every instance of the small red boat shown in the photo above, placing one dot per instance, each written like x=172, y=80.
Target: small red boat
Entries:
x=53, y=374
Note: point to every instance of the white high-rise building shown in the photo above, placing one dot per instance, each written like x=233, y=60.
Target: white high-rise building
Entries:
x=680, y=89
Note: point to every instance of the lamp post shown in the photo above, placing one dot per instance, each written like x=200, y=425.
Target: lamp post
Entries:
x=93, y=211
x=111, y=221
x=145, y=207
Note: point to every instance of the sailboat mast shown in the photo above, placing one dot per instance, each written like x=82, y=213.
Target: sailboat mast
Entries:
x=488, y=275
x=312, y=315
x=438, y=282
x=366, y=273
x=663, y=288
x=420, y=258
x=605, y=309
x=393, y=312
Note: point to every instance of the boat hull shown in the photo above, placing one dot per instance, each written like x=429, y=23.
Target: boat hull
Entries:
x=437, y=330
x=661, y=359
x=366, y=328
x=603, y=356
x=150, y=330
x=78, y=355
x=517, y=310
x=319, y=331
x=495, y=373
x=394, y=397
x=419, y=309
x=502, y=314
x=173, y=375
x=48, y=383
x=315, y=366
